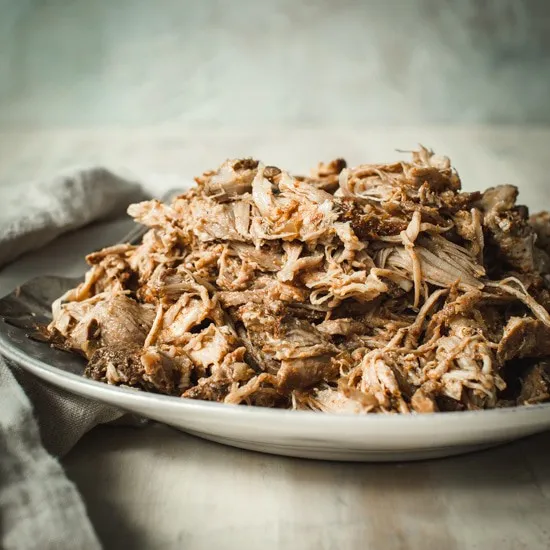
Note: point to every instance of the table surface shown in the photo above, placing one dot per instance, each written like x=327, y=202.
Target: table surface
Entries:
x=158, y=488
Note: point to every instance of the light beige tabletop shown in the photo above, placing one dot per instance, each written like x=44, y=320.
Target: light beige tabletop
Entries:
x=162, y=489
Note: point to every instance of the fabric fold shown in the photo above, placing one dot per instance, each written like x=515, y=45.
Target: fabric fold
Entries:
x=40, y=507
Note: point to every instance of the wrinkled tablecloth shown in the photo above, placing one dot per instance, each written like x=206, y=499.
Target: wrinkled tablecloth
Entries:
x=40, y=507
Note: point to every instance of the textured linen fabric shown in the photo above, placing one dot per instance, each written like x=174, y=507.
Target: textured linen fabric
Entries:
x=43, y=210
x=40, y=508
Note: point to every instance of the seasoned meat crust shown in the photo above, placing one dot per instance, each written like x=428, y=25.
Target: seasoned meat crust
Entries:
x=380, y=288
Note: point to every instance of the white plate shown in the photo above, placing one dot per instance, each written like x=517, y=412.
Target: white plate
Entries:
x=294, y=433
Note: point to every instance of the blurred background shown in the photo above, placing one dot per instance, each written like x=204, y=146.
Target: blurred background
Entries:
x=80, y=63
x=170, y=88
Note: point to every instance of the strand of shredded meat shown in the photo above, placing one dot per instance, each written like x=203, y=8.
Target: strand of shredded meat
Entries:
x=380, y=288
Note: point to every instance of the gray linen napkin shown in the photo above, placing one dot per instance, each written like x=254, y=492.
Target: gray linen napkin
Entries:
x=39, y=507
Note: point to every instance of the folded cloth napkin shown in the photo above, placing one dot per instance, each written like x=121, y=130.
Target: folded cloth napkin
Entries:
x=39, y=507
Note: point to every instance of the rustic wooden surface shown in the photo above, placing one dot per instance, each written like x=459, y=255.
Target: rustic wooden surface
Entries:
x=162, y=489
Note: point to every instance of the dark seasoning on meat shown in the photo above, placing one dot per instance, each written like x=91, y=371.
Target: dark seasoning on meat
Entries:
x=380, y=288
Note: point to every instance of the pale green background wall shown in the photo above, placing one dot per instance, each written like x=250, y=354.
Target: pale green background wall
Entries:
x=97, y=62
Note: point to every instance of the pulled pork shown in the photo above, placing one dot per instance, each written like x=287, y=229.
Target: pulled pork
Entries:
x=380, y=288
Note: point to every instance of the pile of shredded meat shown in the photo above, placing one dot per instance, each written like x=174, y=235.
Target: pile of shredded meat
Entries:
x=379, y=288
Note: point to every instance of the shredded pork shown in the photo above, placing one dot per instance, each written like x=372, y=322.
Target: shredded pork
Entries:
x=379, y=288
